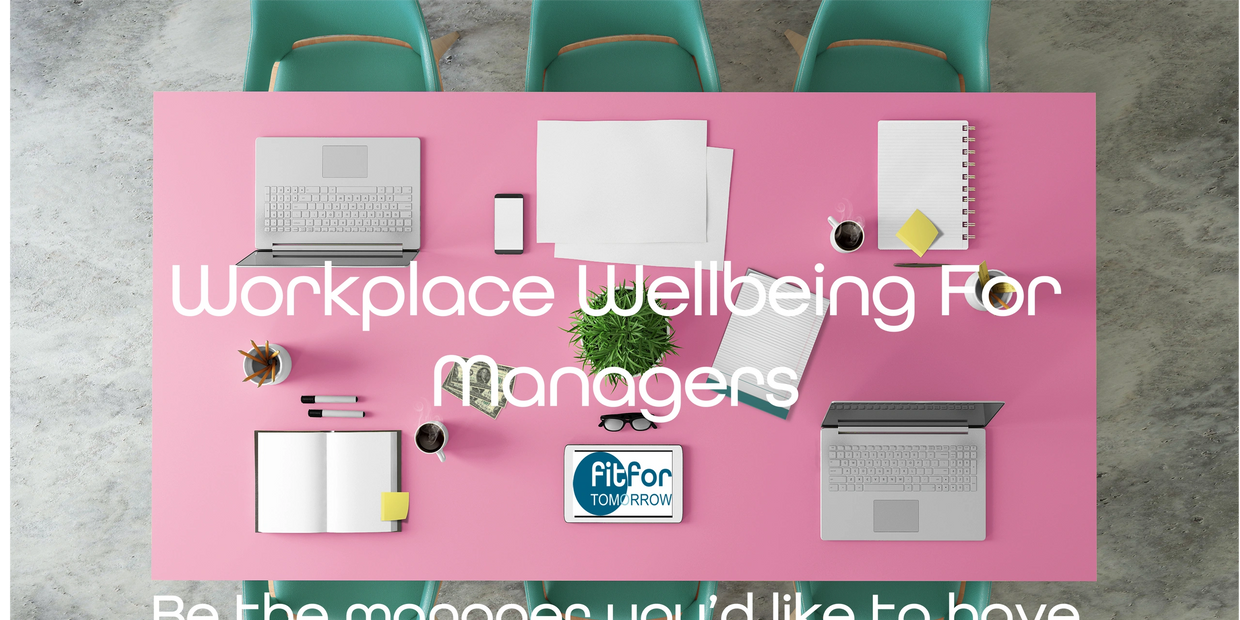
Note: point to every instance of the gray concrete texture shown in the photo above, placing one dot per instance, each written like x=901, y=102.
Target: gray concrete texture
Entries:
x=1165, y=72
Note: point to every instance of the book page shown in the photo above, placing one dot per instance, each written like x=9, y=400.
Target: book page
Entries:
x=291, y=482
x=768, y=340
x=360, y=467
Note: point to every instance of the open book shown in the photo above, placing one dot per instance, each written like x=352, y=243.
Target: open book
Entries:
x=308, y=482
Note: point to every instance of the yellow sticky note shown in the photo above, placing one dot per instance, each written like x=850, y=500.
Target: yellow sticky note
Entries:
x=918, y=232
x=395, y=507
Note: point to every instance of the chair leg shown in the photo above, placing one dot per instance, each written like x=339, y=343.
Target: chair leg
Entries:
x=797, y=41
x=440, y=46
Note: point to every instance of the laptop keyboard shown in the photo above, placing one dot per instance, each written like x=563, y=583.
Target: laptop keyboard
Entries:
x=932, y=468
x=338, y=209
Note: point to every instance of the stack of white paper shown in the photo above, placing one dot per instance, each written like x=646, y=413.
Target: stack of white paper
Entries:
x=639, y=192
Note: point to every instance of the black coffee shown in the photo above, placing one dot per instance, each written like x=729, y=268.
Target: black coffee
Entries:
x=848, y=236
x=429, y=438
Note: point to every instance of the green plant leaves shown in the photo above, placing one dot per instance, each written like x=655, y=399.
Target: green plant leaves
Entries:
x=635, y=343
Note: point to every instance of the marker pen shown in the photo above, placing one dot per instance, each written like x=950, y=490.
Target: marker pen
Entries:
x=310, y=400
x=328, y=413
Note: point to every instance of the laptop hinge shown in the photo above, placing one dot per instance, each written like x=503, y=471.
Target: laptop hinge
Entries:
x=336, y=249
x=903, y=430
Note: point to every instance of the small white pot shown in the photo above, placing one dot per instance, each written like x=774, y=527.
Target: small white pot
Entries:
x=975, y=299
x=284, y=365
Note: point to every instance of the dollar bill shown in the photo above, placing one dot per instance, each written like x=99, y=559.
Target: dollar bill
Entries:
x=453, y=388
x=479, y=398
x=479, y=386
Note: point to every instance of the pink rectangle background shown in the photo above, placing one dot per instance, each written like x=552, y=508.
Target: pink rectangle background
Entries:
x=494, y=509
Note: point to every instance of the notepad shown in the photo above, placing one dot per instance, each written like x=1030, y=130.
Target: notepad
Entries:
x=312, y=482
x=918, y=232
x=924, y=166
x=767, y=340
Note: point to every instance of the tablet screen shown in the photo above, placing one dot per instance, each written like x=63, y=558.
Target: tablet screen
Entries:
x=623, y=483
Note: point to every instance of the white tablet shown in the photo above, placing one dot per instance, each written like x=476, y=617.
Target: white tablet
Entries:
x=623, y=484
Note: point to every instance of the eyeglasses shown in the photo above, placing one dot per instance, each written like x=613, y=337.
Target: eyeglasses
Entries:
x=616, y=421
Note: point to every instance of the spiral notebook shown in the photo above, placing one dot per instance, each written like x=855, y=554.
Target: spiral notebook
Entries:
x=924, y=165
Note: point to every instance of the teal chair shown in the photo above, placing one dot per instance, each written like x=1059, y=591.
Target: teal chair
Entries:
x=336, y=596
x=859, y=596
x=896, y=46
x=596, y=595
x=336, y=45
x=619, y=45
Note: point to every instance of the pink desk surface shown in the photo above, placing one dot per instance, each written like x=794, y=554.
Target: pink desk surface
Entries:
x=494, y=509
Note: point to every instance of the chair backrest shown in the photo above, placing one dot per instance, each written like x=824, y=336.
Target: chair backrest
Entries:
x=337, y=596
x=958, y=28
x=858, y=596
x=556, y=23
x=276, y=24
x=597, y=595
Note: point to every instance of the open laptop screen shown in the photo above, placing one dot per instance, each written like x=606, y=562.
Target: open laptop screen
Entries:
x=910, y=413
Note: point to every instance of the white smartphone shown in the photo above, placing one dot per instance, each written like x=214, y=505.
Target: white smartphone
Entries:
x=509, y=223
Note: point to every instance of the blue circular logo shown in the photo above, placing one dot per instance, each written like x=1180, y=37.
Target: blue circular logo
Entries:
x=594, y=483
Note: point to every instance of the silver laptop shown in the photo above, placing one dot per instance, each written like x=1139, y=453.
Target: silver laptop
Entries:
x=353, y=201
x=905, y=470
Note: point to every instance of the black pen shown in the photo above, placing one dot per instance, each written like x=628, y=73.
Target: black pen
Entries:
x=328, y=413
x=310, y=400
x=920, y=264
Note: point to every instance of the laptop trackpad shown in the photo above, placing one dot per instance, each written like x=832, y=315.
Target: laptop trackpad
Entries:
x=895, y=515
x=344, y=162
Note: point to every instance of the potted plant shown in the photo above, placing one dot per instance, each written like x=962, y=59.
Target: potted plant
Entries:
x=635, y=343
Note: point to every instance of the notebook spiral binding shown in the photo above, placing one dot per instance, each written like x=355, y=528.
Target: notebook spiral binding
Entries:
x=966, y=188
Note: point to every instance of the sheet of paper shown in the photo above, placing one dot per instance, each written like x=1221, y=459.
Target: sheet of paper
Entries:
x=767, y=340
x=621, y=181
x=360, y=466
x=291, y=482
x=672, y=254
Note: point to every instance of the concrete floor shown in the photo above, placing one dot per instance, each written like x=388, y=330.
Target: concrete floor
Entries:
x=1165, y=73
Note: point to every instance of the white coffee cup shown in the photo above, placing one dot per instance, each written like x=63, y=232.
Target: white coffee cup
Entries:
x=431, y=438
x=848, y=229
